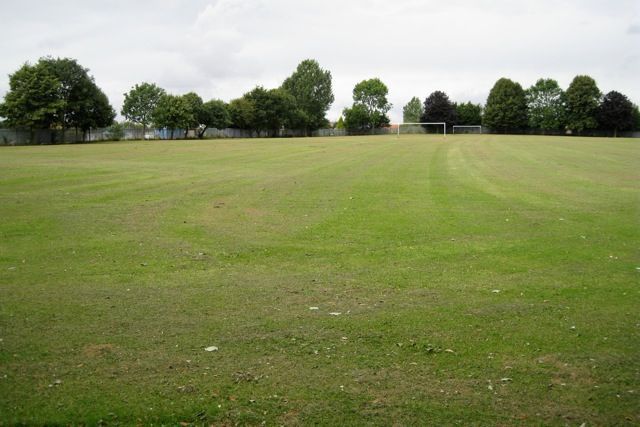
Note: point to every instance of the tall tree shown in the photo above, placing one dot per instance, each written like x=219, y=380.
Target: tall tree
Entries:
x=469, y=114
x=506, y=106
x=412, y=111
x=194, y=103
x=310, y=86
x=32, y=100
x=213, y=114
x=583, y=100
x=78, y=92
x=438, y=108
x=369, y=96
x=616, y=113
x=546, y=105
x=241, y=111
x=97, y=112
x=140, y=103
x=172, y=112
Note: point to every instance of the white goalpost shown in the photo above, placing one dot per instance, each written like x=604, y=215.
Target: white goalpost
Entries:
x=467, y=128
x=443, y=124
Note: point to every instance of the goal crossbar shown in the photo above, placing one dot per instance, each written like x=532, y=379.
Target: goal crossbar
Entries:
x=444, y=125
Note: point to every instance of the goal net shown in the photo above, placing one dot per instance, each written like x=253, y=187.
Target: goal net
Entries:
x=422, y=128
x=467, y=129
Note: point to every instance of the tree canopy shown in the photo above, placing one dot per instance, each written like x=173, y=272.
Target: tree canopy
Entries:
x=33, y=97
x=616, y=112
x=412, y=111
x=469, y=114
x=311, y=89
x=272, y=109
x=140, y=103
x=55, y=92
x=506, y=106
x=438, y=108
x=213, y=114
x=583, y=99
x=172, y=112
x=546, y=105
x=370, y=105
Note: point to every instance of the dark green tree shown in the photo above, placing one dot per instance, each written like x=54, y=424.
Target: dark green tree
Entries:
x=438, y=108
x=310, y=86
x=636, y=118
x=583, y=100
x=172, y=112
x=272, y=109
x=195, y=103
x=506, y=107
x=213, y=114
x=412, y=111
x=469, y=114
x=241, y=111
x=546, y=105
x=82, y=100
x=616, y=113
x=97, y=112
x=32, y=100
x=140, y=103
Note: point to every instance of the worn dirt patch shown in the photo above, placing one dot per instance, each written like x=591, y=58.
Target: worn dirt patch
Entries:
x=97, y=350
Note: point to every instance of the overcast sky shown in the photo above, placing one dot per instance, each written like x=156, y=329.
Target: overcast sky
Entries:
x=223, y=48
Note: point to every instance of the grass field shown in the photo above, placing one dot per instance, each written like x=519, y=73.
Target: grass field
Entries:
x=490, y=280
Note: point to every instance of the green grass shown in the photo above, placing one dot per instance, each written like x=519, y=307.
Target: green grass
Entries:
x=121, y=262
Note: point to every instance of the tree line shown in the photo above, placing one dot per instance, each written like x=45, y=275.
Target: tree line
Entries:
x=58, y=93
x=543, y=107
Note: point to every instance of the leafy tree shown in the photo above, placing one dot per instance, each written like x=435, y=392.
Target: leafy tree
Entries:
x=357, y=117
x=195, y=103
x=272, y=109
x=97, y=111
x=84, y=105
x=583, y=100
x=506, y=106
x=310, y=86
x=172, y=112
x=32, y=100
x=616, y=113
x=370, y=97
x=213, y=114
x=56, y=92
x=469, y=114
x=340, y=123
x=412, y=111
x=546, y=105
x=438, y=108
x=241, y=111
x=636, y=118
x=140, y=103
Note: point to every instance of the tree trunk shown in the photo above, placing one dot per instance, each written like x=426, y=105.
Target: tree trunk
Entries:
x=615, y=132
x=144, y=131
x=172, y=130
x=201, y=134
